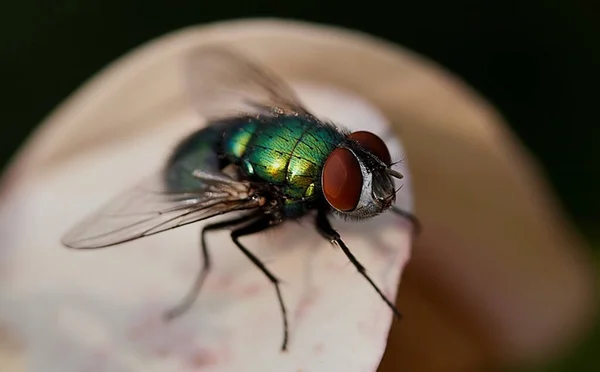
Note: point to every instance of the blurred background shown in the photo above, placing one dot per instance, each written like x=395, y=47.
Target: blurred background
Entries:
x=536, y=61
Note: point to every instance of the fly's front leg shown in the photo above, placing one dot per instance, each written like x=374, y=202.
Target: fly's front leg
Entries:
x=326, y=230
x=253, y=228
x=193, y=293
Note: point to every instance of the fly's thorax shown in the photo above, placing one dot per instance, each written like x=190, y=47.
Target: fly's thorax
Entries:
x=289, y=151
x=357, y=178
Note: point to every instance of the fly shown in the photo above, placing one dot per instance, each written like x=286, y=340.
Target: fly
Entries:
x=263, y=155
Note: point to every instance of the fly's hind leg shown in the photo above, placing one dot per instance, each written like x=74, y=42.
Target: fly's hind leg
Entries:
x=193, y=293
x=250, y=229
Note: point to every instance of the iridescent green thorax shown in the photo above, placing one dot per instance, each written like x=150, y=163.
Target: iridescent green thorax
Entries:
x=287, y=151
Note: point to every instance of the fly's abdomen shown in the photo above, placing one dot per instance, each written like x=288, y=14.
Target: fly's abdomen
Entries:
x=202, y=150
x=198, y=151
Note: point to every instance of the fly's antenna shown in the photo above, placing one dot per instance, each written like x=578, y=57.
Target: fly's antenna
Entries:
x=394, y=173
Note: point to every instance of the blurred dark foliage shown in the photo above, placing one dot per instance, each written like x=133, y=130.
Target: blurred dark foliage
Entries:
x=537, y=61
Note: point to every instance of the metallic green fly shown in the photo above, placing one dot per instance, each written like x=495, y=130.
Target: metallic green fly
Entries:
x=263, y=155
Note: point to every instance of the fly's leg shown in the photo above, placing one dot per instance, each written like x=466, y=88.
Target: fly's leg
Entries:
x=193, y=293
x=409, y=216
x=253, y=228
x=325, y=229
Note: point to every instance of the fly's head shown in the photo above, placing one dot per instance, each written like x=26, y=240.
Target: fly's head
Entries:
x=357, y=179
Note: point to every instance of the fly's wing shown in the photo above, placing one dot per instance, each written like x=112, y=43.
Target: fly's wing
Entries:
x=222, y=83
x=152, y=207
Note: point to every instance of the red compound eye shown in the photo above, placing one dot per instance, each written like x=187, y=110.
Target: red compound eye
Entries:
x=342, y=180
x=374, y=144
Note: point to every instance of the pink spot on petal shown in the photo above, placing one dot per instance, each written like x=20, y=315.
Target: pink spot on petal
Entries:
x=101, y=355
x=162, y=351
x=250, y=290
x=204, y=358
x=222, y=282
x=364, y=328
x=304, y=307
x=319, y=349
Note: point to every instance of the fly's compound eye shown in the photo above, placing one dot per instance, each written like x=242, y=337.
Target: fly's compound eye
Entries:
x=374, y=144
x=342, y=180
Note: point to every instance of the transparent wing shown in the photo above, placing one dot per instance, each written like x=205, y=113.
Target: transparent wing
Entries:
x=222, y=83
x=152, y=207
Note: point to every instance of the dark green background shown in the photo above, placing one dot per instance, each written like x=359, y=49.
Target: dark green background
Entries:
x=537, y=61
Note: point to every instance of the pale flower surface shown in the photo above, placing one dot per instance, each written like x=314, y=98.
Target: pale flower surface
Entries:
x=101, y=309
